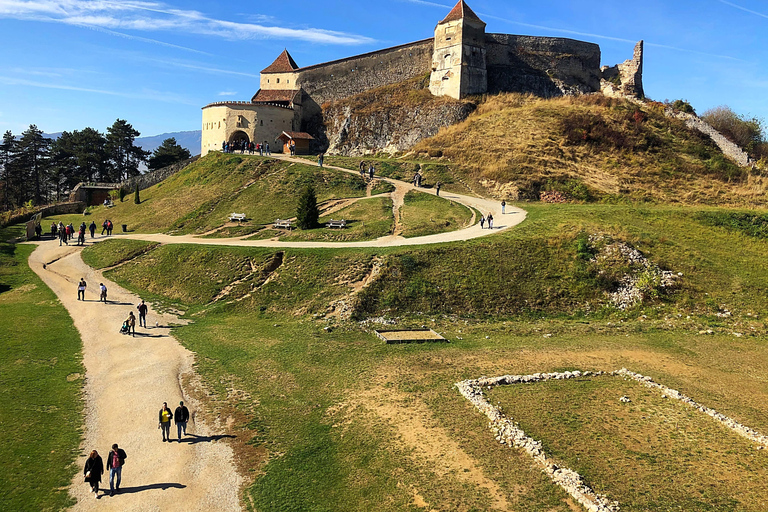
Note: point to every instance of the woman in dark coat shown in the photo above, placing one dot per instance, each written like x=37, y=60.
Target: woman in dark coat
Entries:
x=94, y=468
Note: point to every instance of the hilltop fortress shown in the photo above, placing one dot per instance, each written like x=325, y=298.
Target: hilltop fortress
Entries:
x=461, y=60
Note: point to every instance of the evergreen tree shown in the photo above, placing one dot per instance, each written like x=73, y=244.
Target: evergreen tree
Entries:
x=124, y=156
x=167, y=153
x=33, y=157
x=136, y=195
x=9, y=179
x=307, y=213
x=64, y=170
x=90, y=151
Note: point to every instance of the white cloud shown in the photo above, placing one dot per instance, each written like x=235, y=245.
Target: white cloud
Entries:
x=158, y=17
x=145, y=94
x=228, y=93
x=744, y=9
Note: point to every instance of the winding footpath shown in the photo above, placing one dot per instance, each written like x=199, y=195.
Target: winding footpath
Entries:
x=128, y=378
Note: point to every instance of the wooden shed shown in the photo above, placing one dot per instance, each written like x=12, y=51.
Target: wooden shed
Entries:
x=301, y=139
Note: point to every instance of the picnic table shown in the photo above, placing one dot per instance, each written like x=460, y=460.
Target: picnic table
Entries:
x=236, y=217
x=336, y=224
x=283, y=224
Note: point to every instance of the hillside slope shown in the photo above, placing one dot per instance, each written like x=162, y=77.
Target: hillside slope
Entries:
x=591, y=147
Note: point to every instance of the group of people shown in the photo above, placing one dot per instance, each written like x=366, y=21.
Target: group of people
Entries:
x=371, y=170
x=65, y=233
x=129, y=324
x=243, y=146
x=82, y=286
x=94, y=465
x=486, y=219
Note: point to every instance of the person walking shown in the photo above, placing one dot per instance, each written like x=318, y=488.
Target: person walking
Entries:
x=104, y=226
x=437, y=187
x=489, y=218
x=115, y=462
x=94, y=468
x=62, y=235
x=320, y=159
x=81, y=286
x=164, y=419
x=482, y=222
x=131, y=322
x=503, y=206
x=142, y=314
x=181, y=417
x=109, y=227
x=102, y=293
x=370, y=171
x=81, y=234
x=92, y=228
x=362, y=168
x=53, y=231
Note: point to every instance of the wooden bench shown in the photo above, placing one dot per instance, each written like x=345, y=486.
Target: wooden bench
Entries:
x=336, y=224
x=283, y=223
x=237, y=217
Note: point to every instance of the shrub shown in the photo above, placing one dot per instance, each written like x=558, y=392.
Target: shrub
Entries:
x=435, y=153
x=136, y=198
x=741, y=130
x=683, y=106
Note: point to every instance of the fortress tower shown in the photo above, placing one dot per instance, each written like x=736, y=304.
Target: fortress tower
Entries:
x=458, y=59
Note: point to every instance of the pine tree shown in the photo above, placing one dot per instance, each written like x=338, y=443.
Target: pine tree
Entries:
x=9, y=179
x=168, y=153
x=307, y=213
x=34, y=160
x=136, y=195
x=124, y=156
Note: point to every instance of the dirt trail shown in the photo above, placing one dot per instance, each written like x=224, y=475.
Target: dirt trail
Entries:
x=127, y=380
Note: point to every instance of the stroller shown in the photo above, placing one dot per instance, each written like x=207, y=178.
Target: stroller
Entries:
x=124, y=329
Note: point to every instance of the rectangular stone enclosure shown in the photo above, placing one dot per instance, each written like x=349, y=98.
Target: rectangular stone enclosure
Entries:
x=409, y=335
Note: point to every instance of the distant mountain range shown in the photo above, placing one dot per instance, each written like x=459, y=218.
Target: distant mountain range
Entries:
x=189, y=140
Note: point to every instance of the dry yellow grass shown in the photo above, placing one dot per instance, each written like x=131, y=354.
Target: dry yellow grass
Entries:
x=516, y=145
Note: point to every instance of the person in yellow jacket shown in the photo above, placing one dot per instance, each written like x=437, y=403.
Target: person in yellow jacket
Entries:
x=165, y=421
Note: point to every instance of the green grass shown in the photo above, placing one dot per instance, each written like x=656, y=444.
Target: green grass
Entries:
x=425, y=214
x=40, y=383
x=113, y=252
x=520, y=301
x=201, y=197
x=367, y=219
x=652, y=454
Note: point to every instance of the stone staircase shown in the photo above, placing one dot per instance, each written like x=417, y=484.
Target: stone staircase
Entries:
x=728, y=148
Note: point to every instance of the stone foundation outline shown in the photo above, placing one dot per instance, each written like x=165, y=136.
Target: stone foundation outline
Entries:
x=509, y=433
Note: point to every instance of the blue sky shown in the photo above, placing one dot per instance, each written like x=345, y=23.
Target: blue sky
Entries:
x=69, y=64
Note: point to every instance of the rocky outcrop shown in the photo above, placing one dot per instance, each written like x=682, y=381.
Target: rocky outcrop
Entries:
x=394, y=126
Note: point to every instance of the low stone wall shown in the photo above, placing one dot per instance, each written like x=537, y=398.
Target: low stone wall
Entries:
x=509, y=433
x=46, y=211
x=729, y=149
x=155, y=177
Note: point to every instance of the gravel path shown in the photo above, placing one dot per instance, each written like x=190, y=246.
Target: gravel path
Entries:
x=127, y=380
x=512, y=217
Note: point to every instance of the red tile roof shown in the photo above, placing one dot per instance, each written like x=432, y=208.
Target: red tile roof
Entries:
x=295, y=135
x=459, y=11
x=284, y=63
x=273, y=96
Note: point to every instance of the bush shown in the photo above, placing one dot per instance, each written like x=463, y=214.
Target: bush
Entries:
x=435, y=153
x=683, y=106
x=741, y=130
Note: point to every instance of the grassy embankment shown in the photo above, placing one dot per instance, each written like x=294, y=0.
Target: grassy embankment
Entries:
x=40, y=383
x=592, y=148
x=339, y=421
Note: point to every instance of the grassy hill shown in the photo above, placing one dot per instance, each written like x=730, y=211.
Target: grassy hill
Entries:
x=592, y=148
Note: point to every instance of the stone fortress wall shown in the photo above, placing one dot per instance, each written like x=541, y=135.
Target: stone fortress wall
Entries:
x=343, y=78
x=544, y=66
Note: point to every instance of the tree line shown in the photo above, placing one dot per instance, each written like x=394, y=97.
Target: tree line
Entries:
x=36, y=170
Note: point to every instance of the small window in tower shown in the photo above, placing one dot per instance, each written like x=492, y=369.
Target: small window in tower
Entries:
x=287, y=81
x=278, y=80
x=261, y=123
x=267, y=80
